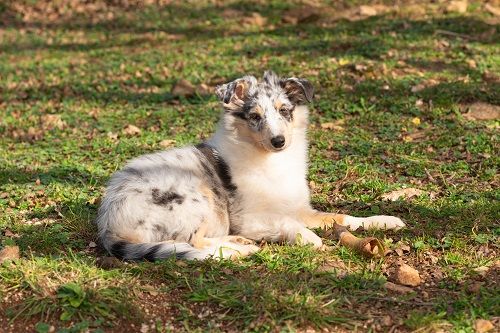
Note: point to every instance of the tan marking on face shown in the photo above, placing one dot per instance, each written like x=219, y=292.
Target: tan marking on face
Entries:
x=278, y=104
x=248, y=135
x=258, y=110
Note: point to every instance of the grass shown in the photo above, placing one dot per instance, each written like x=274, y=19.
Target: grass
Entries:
x=394, y=86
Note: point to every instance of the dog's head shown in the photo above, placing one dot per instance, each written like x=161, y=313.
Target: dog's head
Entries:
x=265, y=112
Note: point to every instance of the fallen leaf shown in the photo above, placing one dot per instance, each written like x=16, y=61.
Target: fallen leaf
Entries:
x=183, y=88
x=482, y=270
x=386, y=321
x=490, y=77
x=336, y=125
x=167, y=143
x=416, y=121
x=397, y=288
x=301, y=15
x=92, y=244
x=405, y=193
x=331, y=126
x=9, y=253
x=204, y=89
x=131, y=130
x=492, y=9
x=459, y=6
x=475, y=287
x=112, y=136
x=471, y=63
x=483, y=325
x=482, y=111
x=366, y=10
x=407, y=275
x=51, y=121
x=255, y=19
x=231, y=13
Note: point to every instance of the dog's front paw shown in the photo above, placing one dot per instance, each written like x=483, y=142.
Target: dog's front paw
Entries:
x=306, y=236
x=383, y=222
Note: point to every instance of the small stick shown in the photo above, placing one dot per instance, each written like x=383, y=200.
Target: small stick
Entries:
x=369, y=246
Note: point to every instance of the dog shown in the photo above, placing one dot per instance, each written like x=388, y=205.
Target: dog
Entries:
x=246, y=183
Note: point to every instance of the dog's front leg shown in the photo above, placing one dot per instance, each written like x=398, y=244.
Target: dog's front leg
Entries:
x=316, y=219
x=277, y=228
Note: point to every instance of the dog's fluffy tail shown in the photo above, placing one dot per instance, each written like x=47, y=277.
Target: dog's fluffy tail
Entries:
x=155, y=251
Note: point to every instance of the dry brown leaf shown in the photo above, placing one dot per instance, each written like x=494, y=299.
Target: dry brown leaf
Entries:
x=407, y=275
x=482, y=270
x=483, y=325
x=471, y=63
x=397, y=288
x=336, y=125
x=366, y=10
x=112, y=136
x=255, y=19
x=131, y=130
x=231, y=13
x=51, y=121
x=183, y=88
x=482, y=111
x=405, y=193
x=9, y=253
x=459, y=6
x=301, y=15
x=167, y=143
x=204, y=89
x=492, y=9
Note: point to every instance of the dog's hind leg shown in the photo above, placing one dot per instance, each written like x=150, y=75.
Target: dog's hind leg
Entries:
x=316, y=219
x=222, y=247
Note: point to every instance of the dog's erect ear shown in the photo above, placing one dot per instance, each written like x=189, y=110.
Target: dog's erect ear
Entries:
x=236, y=91
x=299, y=91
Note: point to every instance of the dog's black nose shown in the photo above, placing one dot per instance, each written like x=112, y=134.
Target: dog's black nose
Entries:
x=278, y=141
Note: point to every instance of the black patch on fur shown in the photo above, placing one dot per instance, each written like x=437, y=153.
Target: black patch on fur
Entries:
x=240, y=114
x=180, y=255
x=151, y=254
x=118, y=249
x=141, y=222
x=220, y=166
x=159, y=228
x=195, y=200
x=166, y=198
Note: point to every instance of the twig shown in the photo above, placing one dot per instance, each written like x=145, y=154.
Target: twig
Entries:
x=454, y=34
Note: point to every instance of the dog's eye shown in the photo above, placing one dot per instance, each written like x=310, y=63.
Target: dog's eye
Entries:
x=254, y=117
x=284, y=111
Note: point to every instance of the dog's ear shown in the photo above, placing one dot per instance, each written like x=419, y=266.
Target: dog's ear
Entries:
x=299, y=91
x=237, y=91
